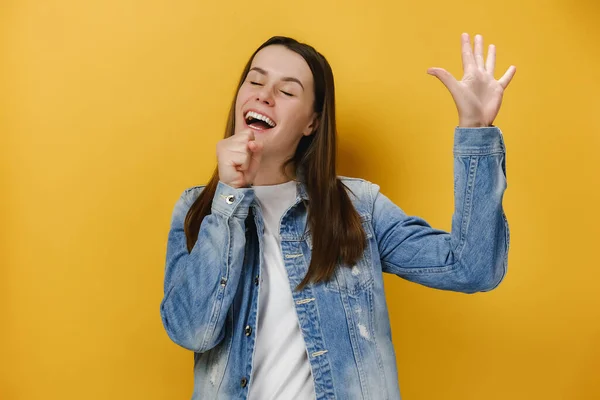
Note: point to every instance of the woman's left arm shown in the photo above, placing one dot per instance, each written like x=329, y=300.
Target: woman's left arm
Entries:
x=473, y=256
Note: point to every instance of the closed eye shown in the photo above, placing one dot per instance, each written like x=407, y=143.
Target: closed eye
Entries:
x=255, y=83
x=287, y=94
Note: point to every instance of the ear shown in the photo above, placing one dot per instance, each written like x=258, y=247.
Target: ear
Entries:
x=313, y=126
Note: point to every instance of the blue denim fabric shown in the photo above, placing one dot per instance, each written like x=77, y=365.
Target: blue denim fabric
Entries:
x=211, y=294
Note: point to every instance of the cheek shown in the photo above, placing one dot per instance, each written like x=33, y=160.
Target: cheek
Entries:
x=298, y=116
x=241, y=98
x=238, y=101
x=238, y=118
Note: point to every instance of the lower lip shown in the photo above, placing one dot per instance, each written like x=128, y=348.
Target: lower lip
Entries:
x=256, y=129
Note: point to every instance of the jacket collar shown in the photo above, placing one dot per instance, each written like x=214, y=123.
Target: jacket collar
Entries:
x=301, y=190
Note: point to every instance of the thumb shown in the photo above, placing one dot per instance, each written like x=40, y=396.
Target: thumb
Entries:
x=445, y=77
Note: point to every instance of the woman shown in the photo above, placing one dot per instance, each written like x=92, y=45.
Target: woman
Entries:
x=274, y=268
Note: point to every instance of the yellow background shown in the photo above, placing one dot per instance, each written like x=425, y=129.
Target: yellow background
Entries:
x=110, y=109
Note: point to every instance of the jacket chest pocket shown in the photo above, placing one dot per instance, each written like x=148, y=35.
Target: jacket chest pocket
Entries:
x=352, y=279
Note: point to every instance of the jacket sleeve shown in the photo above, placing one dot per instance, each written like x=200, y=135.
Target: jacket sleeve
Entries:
x=474, y=255
x=199, y=286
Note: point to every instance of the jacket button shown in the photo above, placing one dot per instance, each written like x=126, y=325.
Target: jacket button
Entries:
x=248, y=330
x=256, y=280
x=243, y=382
x=230, y=199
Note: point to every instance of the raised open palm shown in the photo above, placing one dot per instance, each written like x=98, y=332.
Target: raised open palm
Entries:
x=477, y=95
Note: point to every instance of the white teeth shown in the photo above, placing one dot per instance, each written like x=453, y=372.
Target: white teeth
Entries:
x=255, y=115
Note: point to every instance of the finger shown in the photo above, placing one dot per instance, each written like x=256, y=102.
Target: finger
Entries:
x=251, y=150
x=446, y=77
x=256, y=150
x=479, y=52
x=241, y=150
x=245, y=155
x=255, y=158
x=490, y=63
x=245, y=135
x=467, y=56
x=238, y=159
x=245, y=162
x=507, y=77
x=253, y=146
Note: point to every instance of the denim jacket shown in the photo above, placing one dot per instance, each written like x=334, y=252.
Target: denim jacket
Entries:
x=211, y=293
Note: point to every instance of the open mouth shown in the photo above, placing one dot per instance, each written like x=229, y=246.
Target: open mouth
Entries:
x=258, y=121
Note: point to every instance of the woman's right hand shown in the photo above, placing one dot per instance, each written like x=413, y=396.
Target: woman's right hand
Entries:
x=238, y=159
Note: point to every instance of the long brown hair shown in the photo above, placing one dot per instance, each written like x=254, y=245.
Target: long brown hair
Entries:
x=337, y=233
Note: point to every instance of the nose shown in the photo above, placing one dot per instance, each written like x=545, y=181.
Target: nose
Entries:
x=265, y=96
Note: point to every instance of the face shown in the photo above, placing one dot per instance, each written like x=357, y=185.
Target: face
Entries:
x=276, y=100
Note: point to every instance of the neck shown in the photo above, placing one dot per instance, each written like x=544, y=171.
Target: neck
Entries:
x=270, y=173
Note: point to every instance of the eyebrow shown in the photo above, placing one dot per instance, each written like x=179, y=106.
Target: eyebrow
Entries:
x=285, y=78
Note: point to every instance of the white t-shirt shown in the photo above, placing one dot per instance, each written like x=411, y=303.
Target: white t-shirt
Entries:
x=280, y=370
